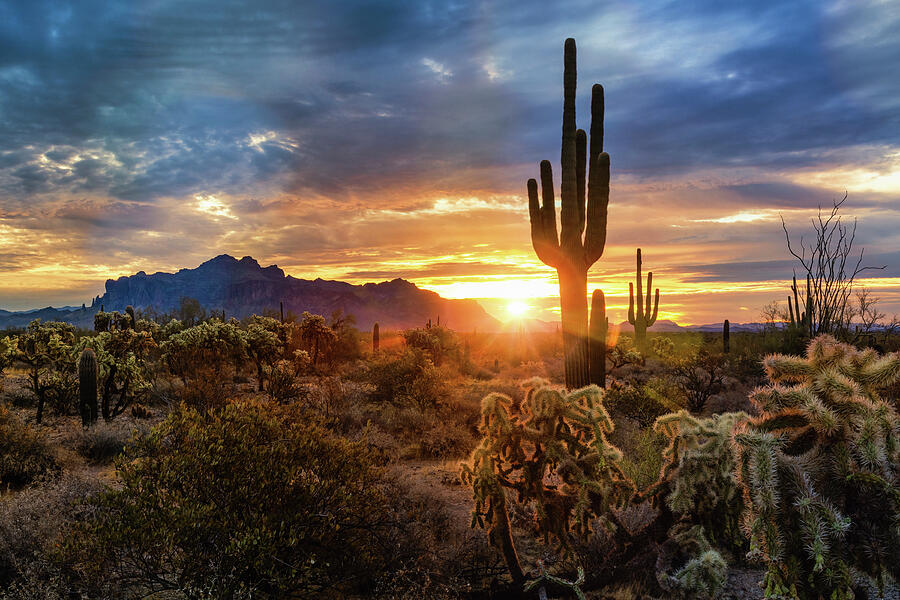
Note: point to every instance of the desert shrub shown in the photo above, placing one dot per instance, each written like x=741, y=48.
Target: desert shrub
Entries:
x=819, y=470
x=744, y=367
x=447, y=440
x=699, y=376
x=25, y=456
x=32, y=523
x=249, y=500
x=642, y=402
x=410, y=379
x=103, y=441
x=438, y=342
x=281, y=383
x=204, y=393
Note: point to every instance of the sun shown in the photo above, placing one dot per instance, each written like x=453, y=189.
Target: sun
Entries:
x=517, y=309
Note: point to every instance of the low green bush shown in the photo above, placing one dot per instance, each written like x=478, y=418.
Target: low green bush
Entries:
x=249, y=500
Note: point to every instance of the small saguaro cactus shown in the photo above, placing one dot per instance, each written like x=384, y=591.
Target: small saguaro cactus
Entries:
x=599, y=331
x=801, y=320
x=280, y=309
x=582, y=236
x=87, y=387
x=132, y=324
x=375, y=338
x=642, y=318
x=726, y=337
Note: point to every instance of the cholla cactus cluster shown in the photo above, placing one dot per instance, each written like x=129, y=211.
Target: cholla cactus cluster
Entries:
x=699, y=473
x=553, y=437
x=819, y=470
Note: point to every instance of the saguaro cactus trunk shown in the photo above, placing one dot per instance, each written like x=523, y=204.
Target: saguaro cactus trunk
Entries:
x=726, y=337
x=599, y=331
x=641, y=318
x=376, y=339
x=87, y=387
x=582, y=236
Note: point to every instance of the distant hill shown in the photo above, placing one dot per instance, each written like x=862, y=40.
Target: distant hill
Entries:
x=242, y=287
x=661, y=325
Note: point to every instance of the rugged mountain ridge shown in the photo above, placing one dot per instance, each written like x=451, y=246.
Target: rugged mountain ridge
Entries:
x=243, y=287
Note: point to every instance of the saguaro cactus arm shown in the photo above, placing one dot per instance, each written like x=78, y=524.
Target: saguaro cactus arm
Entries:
x=581, y=238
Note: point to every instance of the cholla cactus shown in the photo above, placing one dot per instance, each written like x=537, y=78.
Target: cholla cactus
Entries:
x=819, y=470
x=699, y=473
x=552, y=436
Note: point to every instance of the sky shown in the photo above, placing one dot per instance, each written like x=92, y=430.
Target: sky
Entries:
x=364, y=141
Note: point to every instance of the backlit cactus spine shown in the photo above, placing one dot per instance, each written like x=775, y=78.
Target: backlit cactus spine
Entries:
x=582, y=236
x=642, y=318
x=820, y=471
x=87, y=387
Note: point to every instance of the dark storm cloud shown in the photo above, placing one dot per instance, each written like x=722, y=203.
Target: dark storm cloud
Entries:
x=425, y=92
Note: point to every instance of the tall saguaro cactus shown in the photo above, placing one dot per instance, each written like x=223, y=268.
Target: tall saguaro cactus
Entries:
x=582, y=236
x=642, y=318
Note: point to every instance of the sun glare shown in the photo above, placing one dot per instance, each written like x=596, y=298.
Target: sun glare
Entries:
x=517, y=309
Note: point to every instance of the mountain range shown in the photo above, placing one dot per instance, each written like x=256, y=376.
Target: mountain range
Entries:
x=243, y=287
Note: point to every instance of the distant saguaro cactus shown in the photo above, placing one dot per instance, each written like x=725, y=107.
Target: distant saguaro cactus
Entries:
x=87, y=387
x=642, y=318
x=375, y=338
x=281, y=310
x=726, y=336
x=801, y=320
x=132, y=324
x=582, y=236
x=599, y=331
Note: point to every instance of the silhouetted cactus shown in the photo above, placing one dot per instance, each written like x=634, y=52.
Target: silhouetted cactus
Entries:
x=726, y=337
x=582, y=236
x=132, y=319
x=599, y=332
x=87, y=387
x=820, y=468
x=375, y=338
x=801, y=320
x=642, y=318
x=280, y=309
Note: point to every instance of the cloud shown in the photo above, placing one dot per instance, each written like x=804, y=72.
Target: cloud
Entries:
x=342, y=138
